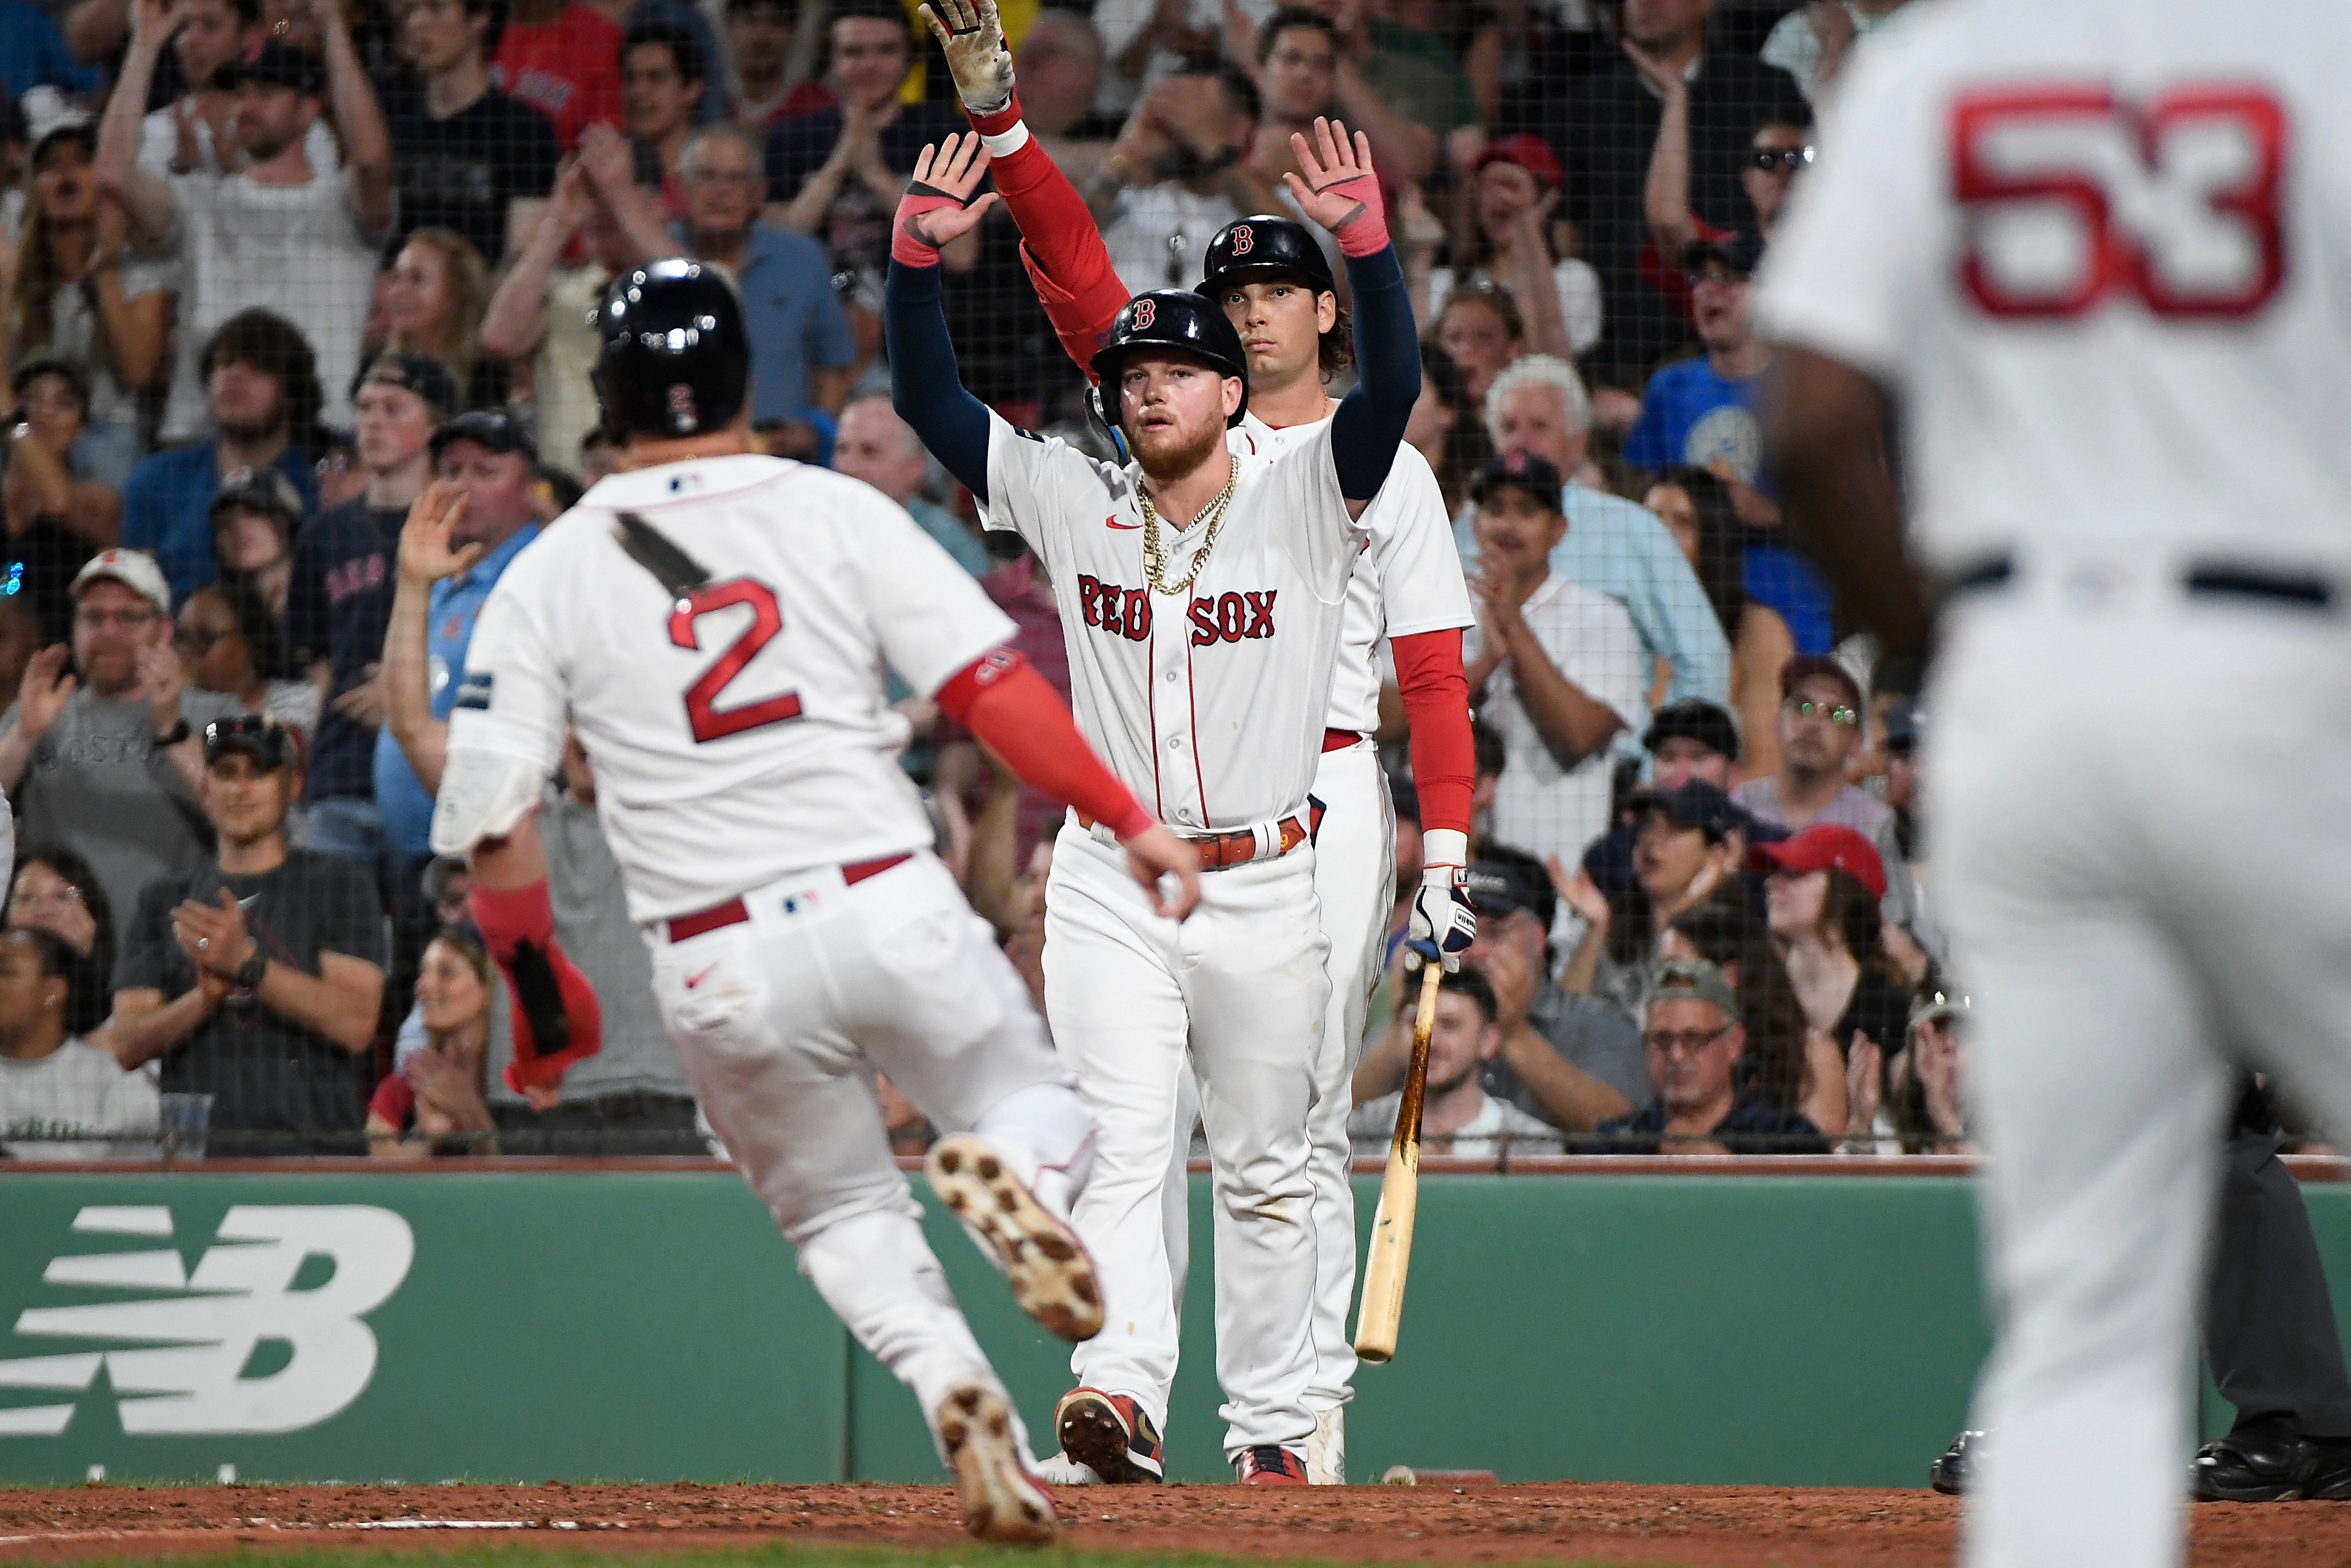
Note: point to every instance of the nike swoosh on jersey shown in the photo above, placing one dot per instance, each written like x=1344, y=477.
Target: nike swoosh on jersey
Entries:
x=693, y=980
x=1115, y=523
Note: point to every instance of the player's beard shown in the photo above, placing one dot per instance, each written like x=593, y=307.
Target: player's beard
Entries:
x=1169, y=455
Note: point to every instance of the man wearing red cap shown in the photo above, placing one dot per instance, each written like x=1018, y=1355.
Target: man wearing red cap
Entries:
x=1820, y=731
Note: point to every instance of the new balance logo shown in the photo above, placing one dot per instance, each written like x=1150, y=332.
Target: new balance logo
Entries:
x=201, y=1330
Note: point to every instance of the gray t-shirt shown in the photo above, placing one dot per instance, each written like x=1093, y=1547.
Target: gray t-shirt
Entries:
x=98, y=783
x=591, y=922
x=76, y=1089
x=1867, y=815
x=1592, y=1036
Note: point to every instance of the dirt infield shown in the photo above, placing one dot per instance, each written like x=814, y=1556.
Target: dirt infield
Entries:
x=1687, y=1527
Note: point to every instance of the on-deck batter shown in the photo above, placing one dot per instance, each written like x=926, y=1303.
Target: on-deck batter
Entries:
x=1204, y=675
x=1274, y=284
x=2099, y=250
x=714, y=624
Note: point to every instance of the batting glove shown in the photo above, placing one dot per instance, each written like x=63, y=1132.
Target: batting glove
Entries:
x=1443, y=922
x=972, y=36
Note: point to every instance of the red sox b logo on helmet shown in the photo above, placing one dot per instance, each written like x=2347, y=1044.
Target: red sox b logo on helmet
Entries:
x=1243, y=240
x=1145, y=310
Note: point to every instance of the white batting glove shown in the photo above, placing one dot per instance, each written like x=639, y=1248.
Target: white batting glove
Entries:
x=972, y=36
x=1443, y=922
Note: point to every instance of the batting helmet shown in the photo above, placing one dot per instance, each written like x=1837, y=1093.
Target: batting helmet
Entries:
x=675, y=358
x=1262, y=246
x=1171, y=318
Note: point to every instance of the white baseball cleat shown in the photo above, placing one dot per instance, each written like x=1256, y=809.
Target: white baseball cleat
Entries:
x=1051, y=1273
x=1062, y=1470
x=999, y=1499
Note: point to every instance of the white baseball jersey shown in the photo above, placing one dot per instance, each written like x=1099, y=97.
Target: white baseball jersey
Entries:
x=741, y=732
x=2103, y=251
x=1406, y=580
x=1211, y=708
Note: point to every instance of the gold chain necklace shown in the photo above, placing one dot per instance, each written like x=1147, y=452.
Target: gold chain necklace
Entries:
x=1154, y=558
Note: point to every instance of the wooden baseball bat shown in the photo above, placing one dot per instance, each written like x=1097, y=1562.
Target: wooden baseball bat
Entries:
x=1389, y=1258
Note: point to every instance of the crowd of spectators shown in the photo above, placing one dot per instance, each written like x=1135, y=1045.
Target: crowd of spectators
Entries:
x=270, y=268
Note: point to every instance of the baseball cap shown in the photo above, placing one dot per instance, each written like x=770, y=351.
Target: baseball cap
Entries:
x=134, y=569
x=259, y=490
x=1528, y=151
x=1805, y=666
x=274, y=65
x=1538, y=476
x=423, y=374
x=1502, y=878
x=1824, y=846
x=492, y=430
x=1693, y=718
x=1692, y=981
x=1738, y=253
x=47, y=364
x=257, y=735
x=1692, y=803
x=1927, y=1006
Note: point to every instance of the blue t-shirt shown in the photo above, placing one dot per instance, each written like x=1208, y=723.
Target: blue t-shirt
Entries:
x=794, y=318
x=405, y=809
x=33, y=54
x=1690, y=414
x=336, y=610
x=1787, y=582
x=167, y=506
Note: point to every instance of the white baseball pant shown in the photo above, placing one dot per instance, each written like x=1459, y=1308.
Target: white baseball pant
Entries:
x=781, y=1022
x=1238, y=990
x=2142, y=831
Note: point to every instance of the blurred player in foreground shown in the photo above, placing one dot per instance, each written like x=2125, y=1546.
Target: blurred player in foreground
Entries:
x=2093, y=256
x=1270, y=277
x=714, y=624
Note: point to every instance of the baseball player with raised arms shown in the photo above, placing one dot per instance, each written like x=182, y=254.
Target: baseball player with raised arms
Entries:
x=2095, y=252
x=713, y=625
x=1273, y=282
x=1202, y=594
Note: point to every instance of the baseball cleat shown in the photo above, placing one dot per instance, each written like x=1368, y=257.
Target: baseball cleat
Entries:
x=1052, y=1275
x=1326, y=1449
x=999, y=1499
x=2264, y=1460
x=1270, y=1465
x=1948, y=1473
x=1109, y=1435
x=1062, y=1470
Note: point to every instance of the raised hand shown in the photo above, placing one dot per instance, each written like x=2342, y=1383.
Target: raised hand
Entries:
x=1864, y=1066
x=1667, y=81
x=41, y=694
x=154, y=21
x=932, y=212
x=1337, y=189
x=161, y=679
x=427, y=555
x=972, y=36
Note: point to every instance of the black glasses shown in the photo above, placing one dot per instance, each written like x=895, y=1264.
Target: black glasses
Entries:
x=1768, y=158
x=1837, y=713
x=1688, y=1041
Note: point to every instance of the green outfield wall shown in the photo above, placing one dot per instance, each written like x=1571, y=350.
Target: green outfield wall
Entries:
x=505, y=1326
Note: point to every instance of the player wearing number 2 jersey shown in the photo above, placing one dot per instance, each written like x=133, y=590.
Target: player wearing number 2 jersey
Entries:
x=1202, y=594
x=2097, y=252
x=714, y=625
x=1273, y=283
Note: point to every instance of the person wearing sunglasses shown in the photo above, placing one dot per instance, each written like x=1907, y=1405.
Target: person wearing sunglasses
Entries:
x=228, y=642
x=1820, y=736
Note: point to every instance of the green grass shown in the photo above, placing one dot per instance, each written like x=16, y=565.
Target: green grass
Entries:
x=776, y=1556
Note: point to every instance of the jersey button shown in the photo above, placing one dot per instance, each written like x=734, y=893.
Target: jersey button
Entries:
x=1176, y=744
x=1169, y=677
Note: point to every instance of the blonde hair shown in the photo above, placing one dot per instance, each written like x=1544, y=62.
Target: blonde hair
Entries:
x=468, y=280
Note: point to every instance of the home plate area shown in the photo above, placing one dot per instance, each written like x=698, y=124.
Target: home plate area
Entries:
x=1683, y=1527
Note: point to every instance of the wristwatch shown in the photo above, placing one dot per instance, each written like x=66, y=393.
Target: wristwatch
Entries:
x=248, y=974
x=173, y=736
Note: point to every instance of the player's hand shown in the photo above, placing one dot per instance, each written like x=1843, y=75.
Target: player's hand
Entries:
x=426, y=554
x=1443, y=922
x=932, y=214
x=1338, y=190
x=972, y=36
x=1156, y=853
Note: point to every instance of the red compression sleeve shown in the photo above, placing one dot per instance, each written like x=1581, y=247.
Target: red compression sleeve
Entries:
x=1437, y=706
x=557, y=1021
x=1005, y=701
x=1060, y=245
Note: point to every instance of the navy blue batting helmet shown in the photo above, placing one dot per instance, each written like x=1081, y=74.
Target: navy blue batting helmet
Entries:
x=674, y=357
x=1174, y=319
x=1265, y=246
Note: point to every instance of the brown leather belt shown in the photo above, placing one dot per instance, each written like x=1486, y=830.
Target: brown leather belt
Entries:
x=1338, y=739
x=718, y=916
x=1219, y=850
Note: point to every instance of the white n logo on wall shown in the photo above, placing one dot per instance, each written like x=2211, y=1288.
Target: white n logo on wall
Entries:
x=202, y=1336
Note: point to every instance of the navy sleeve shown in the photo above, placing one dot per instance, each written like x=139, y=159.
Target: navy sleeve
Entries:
x=927, y=389
x=1370, y=422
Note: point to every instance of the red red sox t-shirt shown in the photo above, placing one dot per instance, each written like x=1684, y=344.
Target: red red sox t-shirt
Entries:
x=567, y=70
